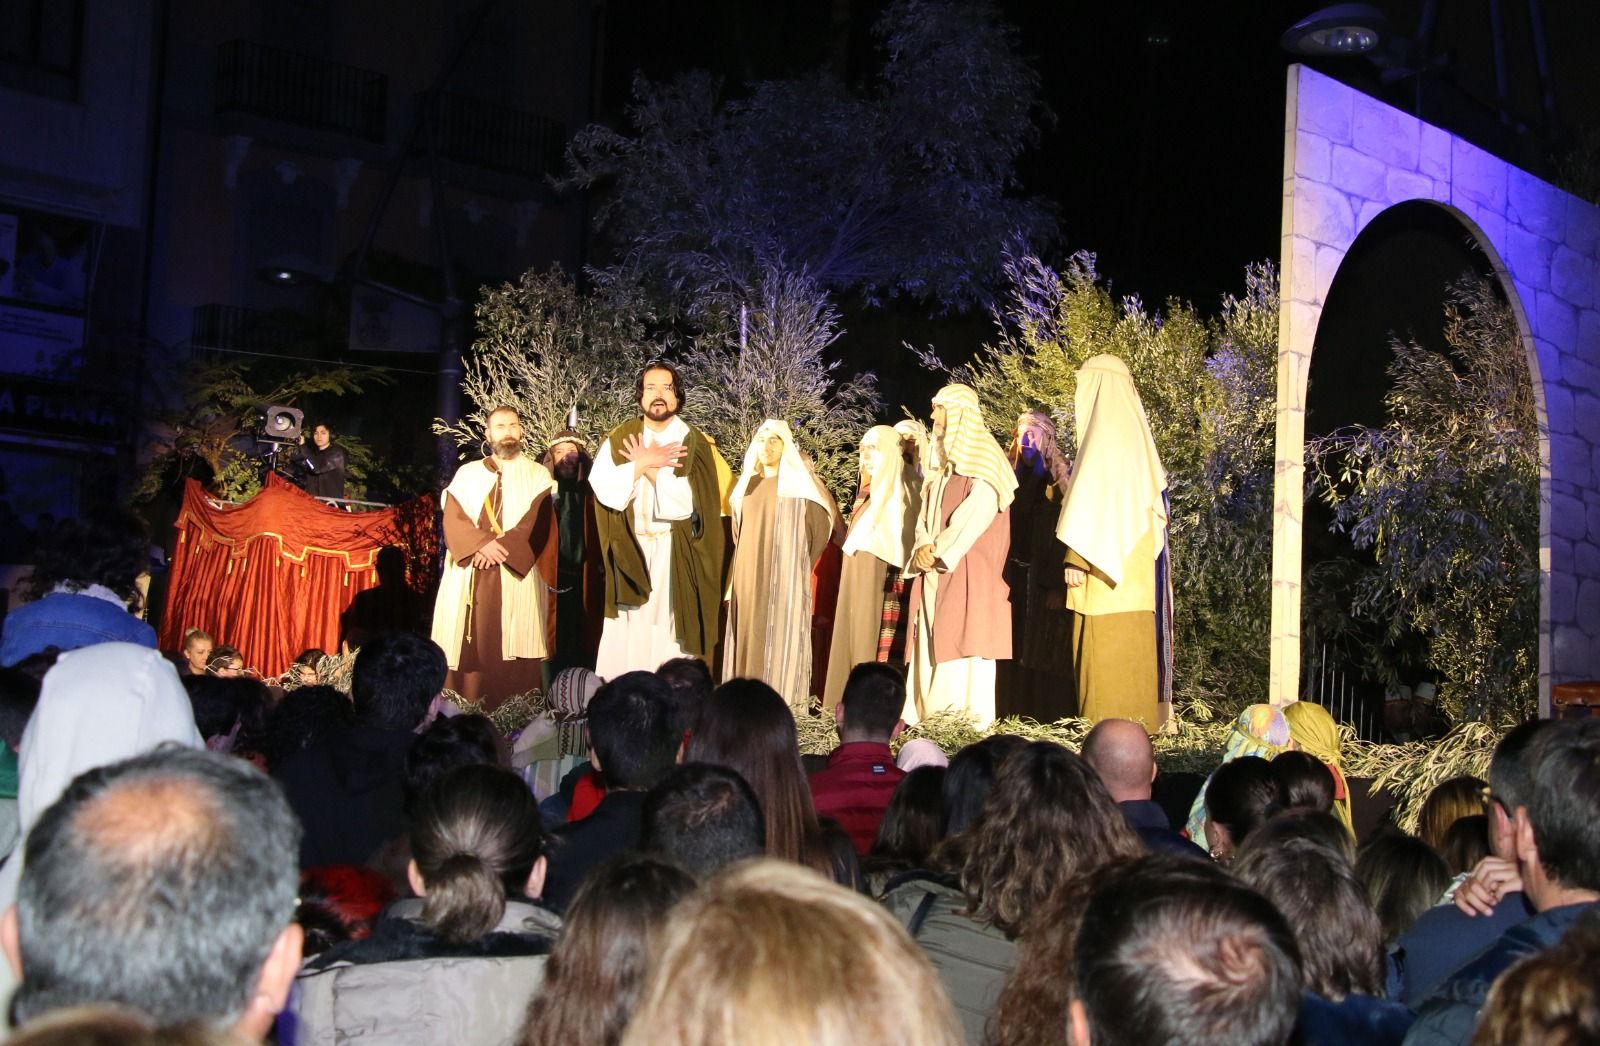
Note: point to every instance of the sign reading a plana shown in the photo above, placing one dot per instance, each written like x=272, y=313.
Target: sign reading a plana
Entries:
x=51, y=409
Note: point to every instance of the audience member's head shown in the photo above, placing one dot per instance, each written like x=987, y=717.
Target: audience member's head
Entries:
x=747, y=727
x=1551, y=997
x=1558, y=834
x=476, y=842
x=913, y=822
x=919, y=752
x=1404, y=877
x=970, y=777
x=225, y=663
x=226, y=706
x=108, y=547
x=594, y=976
x=164, y=883
x=338, y=903
x=1120, y=752
x=703, y=817
x=1315, y=826
x=1466, y=843
x=770, y=954
x=1304, y=781
x=81, y=723
x=633, y=737
x=305, y=665
x=391, y=566
x=691, y=685
x=1511, y=784
x=1240, y=795
x=197, y=647
x=396, y=678
x=1173, y=952
x=1047, y=820
x=303, y=717
x=869, y=709
x=448, y=743
x=117, y=1026
x=1315, y=888
x=1463, y=796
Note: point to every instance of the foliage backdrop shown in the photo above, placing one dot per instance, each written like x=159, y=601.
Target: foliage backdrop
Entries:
x=1208, y=389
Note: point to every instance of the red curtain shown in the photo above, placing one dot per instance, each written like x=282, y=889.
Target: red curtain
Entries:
x=272, y=576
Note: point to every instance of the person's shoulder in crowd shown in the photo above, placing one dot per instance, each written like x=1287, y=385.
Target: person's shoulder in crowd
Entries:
x=1450, y=1012
x=1444, y=938
x=578, y=846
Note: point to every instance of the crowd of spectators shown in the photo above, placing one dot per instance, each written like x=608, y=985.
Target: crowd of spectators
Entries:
x=197, y=856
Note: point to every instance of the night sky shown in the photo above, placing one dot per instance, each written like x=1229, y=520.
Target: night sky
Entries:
x=1165, y=153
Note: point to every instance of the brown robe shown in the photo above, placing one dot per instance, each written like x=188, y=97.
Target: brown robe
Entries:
x=972, y=612
x=770, y=637
x=483, y=675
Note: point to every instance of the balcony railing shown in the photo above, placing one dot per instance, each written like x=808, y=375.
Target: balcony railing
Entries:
x=299, y=89
x=498, y=137
x=248, y=330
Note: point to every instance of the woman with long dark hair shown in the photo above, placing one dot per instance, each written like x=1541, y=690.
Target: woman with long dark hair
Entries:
x=596, y=971
x=457, y=963
x=746, y=727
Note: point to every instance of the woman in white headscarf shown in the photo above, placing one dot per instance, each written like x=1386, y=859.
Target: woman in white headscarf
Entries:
x=1114, y=524
x=98, y=705
x=883, y=526
x=782, y=519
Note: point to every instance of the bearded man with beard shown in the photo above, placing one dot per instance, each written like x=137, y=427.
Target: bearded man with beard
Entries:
x=657, y=484
x=574, y=633
x=500, y=542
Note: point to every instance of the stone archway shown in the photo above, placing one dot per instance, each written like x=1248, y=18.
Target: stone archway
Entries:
x=1348, y=158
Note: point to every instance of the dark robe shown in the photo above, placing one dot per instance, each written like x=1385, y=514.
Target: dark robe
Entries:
x=578, y=599
x=482, y=674
x=1037, y=682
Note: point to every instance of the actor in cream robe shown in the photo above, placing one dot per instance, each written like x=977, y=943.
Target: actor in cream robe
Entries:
x=1114, y=525
x=490, y=618
x=960, y=607
x=781, y=522
x=882, y=532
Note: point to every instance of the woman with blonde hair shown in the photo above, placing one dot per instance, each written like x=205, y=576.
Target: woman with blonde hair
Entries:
x=769, y=953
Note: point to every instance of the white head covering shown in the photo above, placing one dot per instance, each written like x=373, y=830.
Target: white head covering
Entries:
x=887, y=525
x=98, y=705
x=794, y=478
x=920, y=751
x=1117, y=480
x=968, y=445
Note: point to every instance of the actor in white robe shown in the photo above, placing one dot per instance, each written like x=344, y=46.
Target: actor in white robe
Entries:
x=659, y=511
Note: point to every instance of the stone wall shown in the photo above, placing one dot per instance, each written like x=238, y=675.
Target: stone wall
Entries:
x=1347, y=158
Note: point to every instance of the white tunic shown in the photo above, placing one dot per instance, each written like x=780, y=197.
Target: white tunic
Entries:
x=642, y=637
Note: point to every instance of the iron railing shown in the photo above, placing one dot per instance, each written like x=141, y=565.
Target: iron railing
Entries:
x=498, y=137
x=299, y=89
x=234, y=327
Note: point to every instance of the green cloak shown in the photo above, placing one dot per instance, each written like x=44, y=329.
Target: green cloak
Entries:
x=697, y=552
